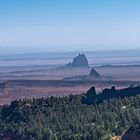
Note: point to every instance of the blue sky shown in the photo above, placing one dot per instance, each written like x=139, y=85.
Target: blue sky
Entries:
x=69, y=25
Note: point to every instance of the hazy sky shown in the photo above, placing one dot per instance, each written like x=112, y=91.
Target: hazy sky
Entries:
x=56, y=25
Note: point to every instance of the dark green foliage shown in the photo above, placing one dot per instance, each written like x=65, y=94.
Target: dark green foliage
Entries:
x=66, y=118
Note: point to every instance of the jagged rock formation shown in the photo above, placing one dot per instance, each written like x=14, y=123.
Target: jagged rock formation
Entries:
x=92, y=97
x=132, y=134
x=94, y=73
x=79, y=61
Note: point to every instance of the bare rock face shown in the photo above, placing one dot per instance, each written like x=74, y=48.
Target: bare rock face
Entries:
x=79, y=61
x=94, y=73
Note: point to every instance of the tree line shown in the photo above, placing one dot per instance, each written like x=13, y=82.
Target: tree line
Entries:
x=67, y=118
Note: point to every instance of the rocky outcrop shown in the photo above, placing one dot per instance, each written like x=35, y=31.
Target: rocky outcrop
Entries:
x=91, y=97
x=94, y=73
x=79, y=61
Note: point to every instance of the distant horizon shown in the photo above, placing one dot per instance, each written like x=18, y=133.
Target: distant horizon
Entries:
x=32, y=50
x=20, y=51
x=69, y=25
x=96, y=58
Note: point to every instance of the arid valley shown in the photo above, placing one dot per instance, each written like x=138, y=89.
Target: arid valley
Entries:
x=20, y=81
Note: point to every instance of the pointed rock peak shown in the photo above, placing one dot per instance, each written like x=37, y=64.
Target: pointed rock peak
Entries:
x=94, y=73
x=80, y=54
x=79, y=61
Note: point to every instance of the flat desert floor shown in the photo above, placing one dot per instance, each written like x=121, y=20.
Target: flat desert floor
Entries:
x=29, y=82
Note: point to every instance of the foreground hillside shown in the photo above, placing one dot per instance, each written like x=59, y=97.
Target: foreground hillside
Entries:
x=66, y=118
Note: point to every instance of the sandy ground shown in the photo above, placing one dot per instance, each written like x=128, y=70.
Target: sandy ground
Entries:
x=43, y=82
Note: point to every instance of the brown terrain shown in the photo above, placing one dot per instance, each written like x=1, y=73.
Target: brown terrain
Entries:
x=29, y=84
x=74, y=78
